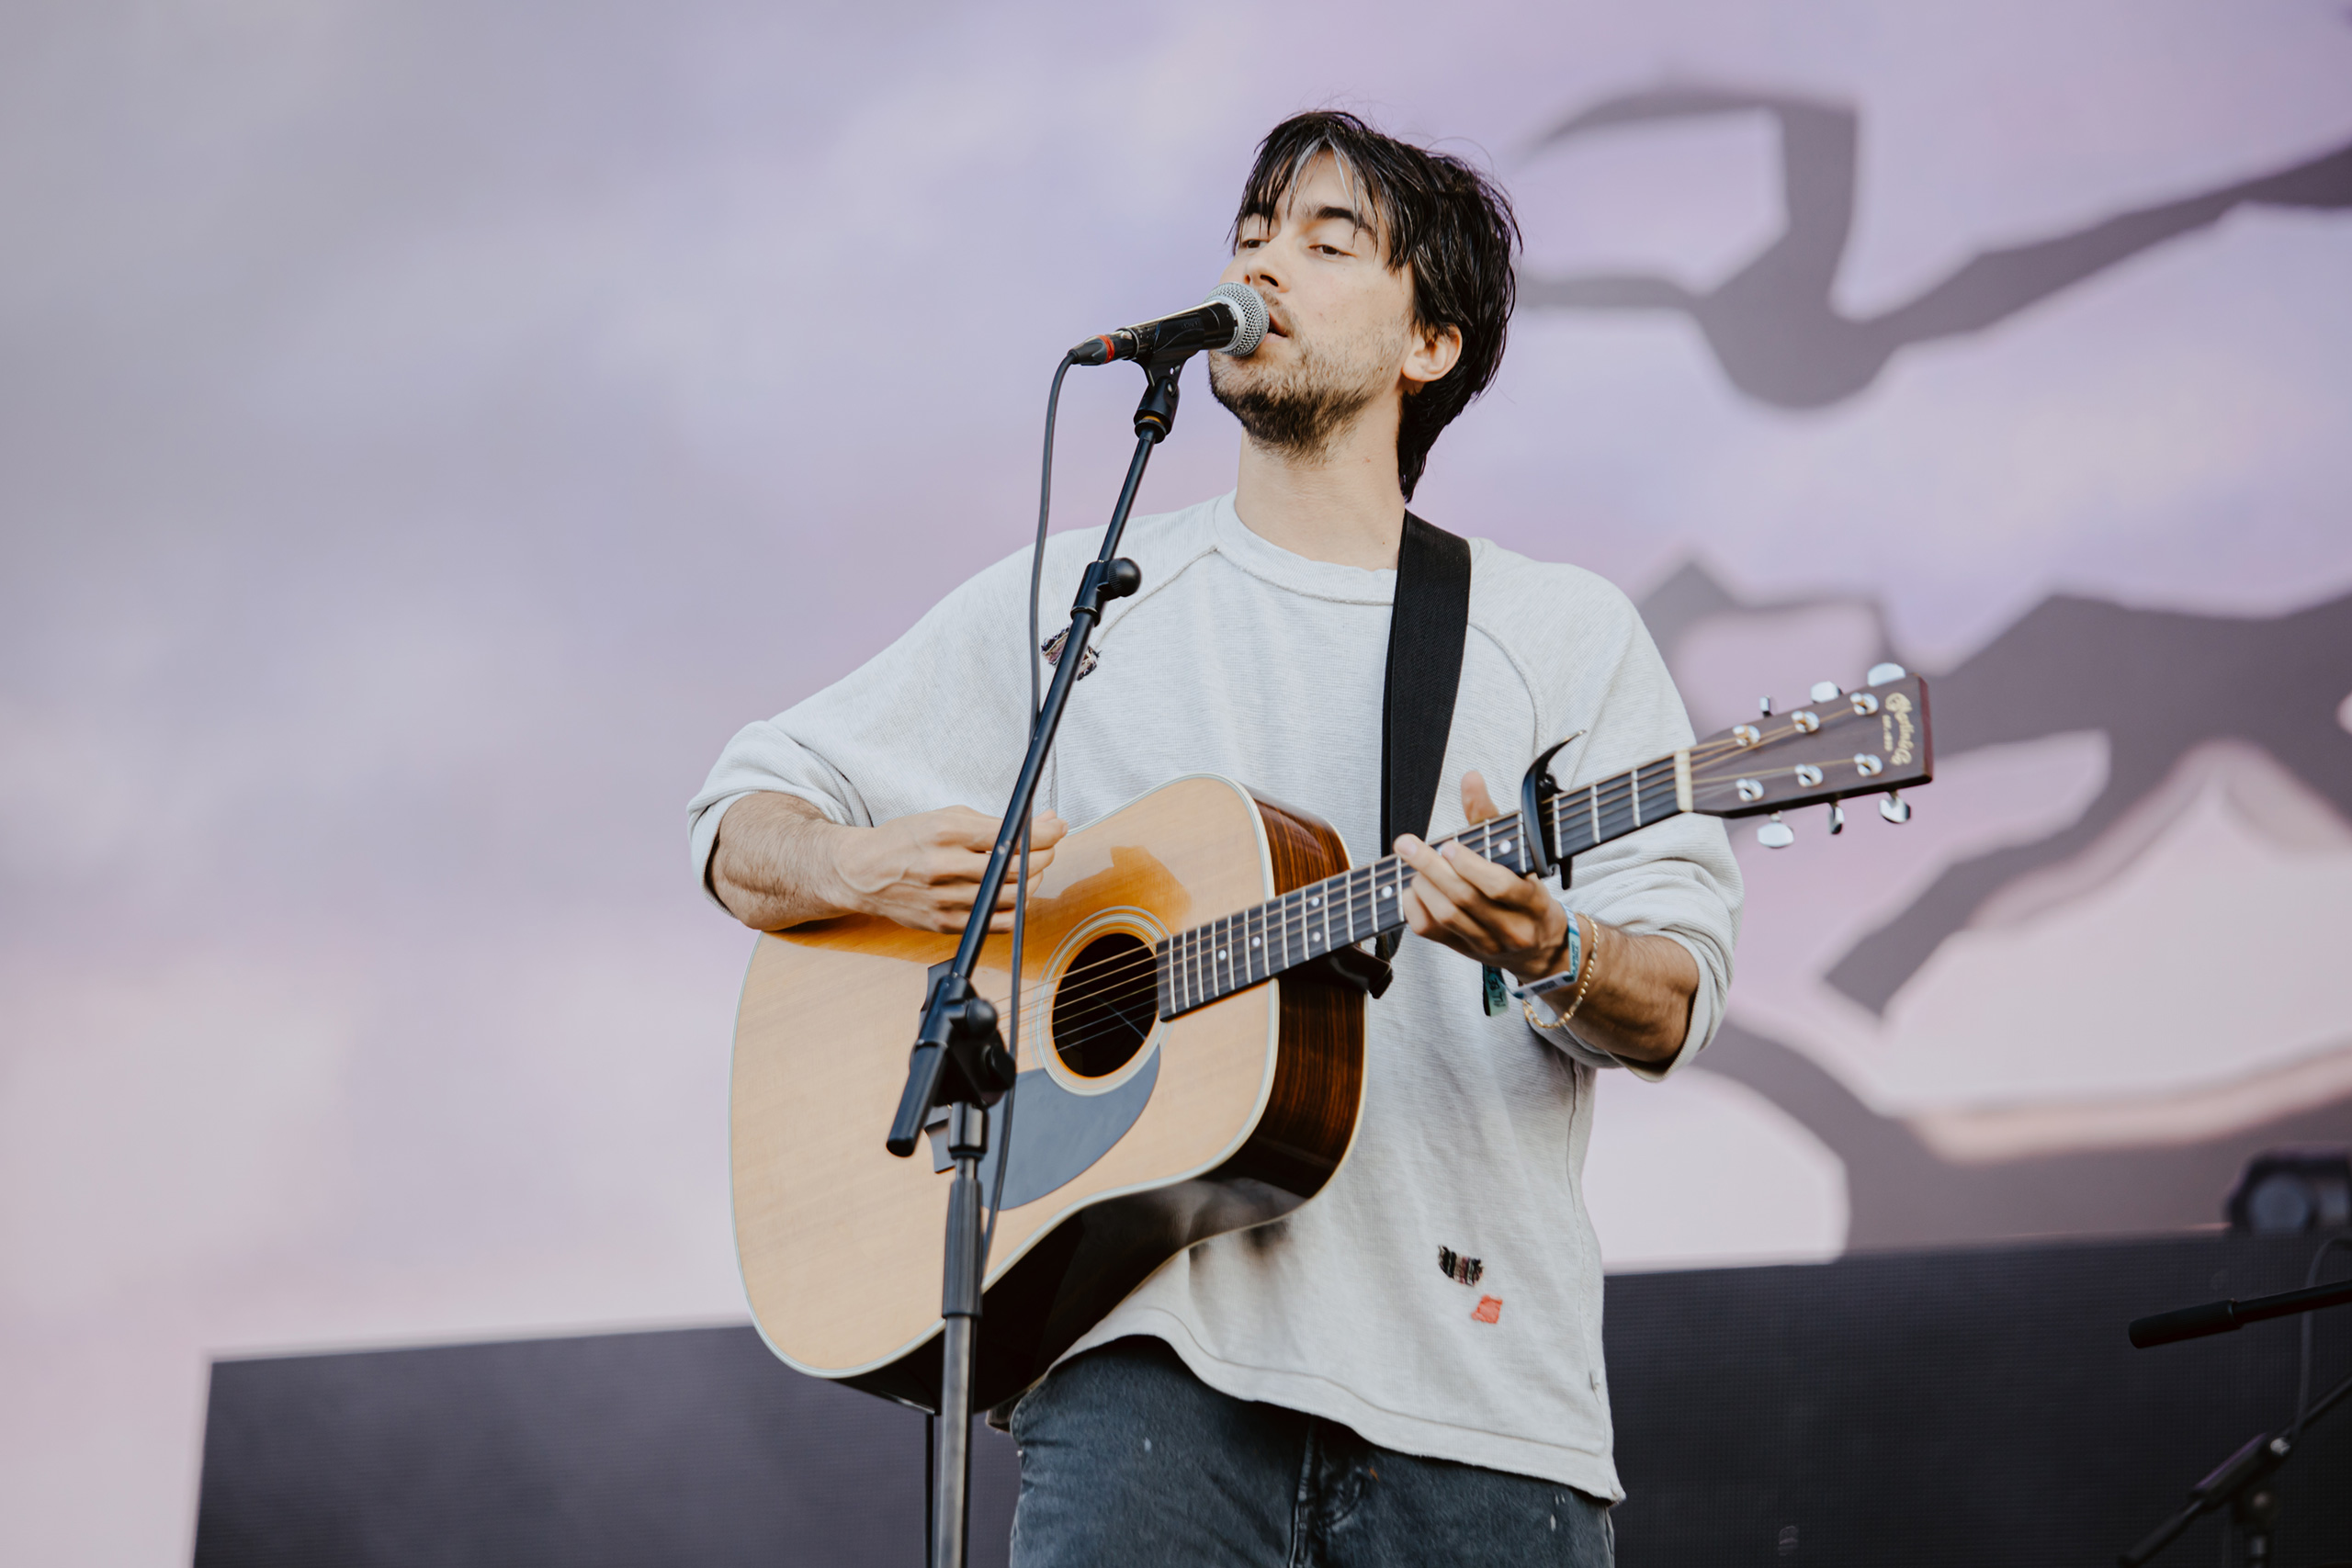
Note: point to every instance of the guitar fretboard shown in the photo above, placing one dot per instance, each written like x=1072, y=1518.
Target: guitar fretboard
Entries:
x=1200, y=965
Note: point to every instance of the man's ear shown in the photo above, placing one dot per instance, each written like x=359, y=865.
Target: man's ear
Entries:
x=1436, y=351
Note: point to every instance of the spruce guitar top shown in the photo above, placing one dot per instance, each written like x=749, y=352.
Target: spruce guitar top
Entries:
x=1191, y=1056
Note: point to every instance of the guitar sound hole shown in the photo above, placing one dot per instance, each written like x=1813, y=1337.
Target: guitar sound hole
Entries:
x=1106, y=1004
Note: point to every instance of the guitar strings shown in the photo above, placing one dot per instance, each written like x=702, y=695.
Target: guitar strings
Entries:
x=1605, y=797
x=1620, y=791
x=1093, y=1018
x=1614, y=793
x=1371, y=874
x=1108, y=968
x=1151, y=955
x=1098, y=1018
x=1086, y=1025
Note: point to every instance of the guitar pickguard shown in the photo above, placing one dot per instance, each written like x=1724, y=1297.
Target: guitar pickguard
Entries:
x=1057, y=1136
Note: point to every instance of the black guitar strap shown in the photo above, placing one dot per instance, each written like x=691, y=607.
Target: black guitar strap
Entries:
x=1425, y=636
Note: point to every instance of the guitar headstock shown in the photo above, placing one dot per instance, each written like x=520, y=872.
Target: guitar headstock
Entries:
x=1836, y=744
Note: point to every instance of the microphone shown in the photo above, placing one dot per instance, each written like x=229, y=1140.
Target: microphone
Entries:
x=1232, y=319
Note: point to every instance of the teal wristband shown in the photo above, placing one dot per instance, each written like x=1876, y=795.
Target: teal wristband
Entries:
x=1566, y=977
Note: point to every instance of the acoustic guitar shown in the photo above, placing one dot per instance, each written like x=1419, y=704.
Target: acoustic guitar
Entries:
x=1191, y=1056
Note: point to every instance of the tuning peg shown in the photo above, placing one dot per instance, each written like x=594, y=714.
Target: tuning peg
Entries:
x=1776, y=834
x=1828, y=691
x=1894, y=809
x=1882, y=674
x=1764, y=706
x=1837, y=818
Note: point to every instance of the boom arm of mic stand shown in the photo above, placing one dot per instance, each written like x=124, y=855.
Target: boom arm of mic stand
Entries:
x=2227, y=1316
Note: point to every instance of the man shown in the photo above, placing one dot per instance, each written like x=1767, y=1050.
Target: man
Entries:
x=1407, y=1368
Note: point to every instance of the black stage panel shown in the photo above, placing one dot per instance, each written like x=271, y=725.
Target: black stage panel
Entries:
x=1952, y=1407
x=1965, y=1407
x=687, y=1447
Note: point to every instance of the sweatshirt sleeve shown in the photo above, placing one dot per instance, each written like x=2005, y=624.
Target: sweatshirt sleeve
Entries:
x=1676, y=878
x=937, y=718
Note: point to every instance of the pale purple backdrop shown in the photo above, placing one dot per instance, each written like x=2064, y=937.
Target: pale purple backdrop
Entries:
x=427, y=431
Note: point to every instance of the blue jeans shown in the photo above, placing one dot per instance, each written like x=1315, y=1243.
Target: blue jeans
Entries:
x=1127, y=1459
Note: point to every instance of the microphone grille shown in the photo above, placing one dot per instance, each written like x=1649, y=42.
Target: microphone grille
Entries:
x=1250, y=307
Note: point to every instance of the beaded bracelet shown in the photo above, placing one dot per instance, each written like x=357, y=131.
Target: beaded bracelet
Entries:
x=1589, y=970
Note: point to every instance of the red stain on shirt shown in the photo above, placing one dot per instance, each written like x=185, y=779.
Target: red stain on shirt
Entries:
x=1488, y=1309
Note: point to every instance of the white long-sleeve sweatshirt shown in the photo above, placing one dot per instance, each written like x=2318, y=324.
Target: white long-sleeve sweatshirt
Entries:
x=1239, y=658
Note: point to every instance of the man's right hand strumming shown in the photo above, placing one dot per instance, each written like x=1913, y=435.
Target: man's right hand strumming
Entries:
x=779, y=862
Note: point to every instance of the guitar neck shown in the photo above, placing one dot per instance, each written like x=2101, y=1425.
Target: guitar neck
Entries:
x=1200, y=965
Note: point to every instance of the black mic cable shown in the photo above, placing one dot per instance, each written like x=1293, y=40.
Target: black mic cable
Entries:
x=1232, y=320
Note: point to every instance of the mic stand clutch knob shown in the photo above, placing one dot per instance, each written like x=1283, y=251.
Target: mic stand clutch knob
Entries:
x=1106, y=581
x=959, y=1058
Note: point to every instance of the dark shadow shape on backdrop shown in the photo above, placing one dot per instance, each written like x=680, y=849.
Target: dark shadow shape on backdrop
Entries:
x=1773, y=324
x=1900, y=1192
x=2160, y=683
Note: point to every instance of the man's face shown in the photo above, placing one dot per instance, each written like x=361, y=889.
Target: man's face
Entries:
x=1340, y=335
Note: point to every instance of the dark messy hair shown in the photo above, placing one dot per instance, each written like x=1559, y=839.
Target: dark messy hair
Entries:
x=1437, y=215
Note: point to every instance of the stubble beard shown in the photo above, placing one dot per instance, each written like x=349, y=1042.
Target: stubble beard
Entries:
x=1298, y=411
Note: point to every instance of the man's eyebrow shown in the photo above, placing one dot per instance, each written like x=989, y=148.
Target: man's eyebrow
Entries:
x=1347, y=215
x=1271, y=215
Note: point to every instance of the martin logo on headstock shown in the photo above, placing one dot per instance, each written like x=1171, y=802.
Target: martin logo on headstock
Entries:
x=1840, y=743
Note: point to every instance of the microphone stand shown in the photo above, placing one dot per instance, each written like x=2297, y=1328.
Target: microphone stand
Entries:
x=2237, y=1482
x=959, y=1060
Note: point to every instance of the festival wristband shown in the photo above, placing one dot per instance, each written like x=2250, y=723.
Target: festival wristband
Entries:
x=1565, y=978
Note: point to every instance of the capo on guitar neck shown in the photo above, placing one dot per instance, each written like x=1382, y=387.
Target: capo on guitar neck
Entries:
x=1536, y=792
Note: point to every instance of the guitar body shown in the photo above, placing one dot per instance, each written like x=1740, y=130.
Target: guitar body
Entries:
x=1133, y=1137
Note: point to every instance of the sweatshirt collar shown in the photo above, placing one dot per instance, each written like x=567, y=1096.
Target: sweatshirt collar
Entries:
x=1272, y=563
